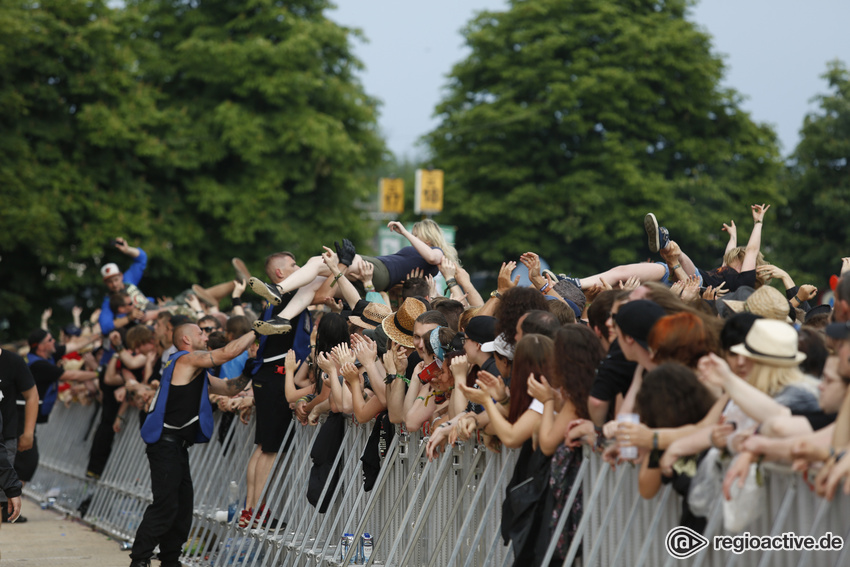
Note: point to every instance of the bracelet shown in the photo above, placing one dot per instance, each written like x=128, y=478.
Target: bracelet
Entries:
x=758, y=222
x=676, y=267
x=370, y=287
x=388, y=379
x=506, y=401
x=336, y=278
x=654, y=440
x=545, y=287
x=119, y=347
x=799, y=301
x=451, y=282
x=236, y=298
x=838, y=456
x=403, y=377
x=420, y=398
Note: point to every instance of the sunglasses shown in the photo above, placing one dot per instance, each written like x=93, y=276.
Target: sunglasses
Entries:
x=208, y=330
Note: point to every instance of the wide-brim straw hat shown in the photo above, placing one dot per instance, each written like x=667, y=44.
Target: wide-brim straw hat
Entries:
x=766, y=301
x=771, y=342
x=372, y=316
x=399, y=325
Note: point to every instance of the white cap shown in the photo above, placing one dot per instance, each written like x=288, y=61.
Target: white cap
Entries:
x=110, y=270
x=501, y=346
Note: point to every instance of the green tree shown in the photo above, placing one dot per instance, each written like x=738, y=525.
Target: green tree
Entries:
x=269, y=128
x=199, y=131
x=819, y=186
x=571, y=119
x=72, y=118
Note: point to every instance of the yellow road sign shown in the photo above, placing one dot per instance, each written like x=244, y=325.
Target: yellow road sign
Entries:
x=391, y=192
x=429, y=191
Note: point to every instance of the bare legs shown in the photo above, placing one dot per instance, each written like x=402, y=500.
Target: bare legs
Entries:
x=644, y=272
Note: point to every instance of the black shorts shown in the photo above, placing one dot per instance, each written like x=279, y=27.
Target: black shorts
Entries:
x=273, y=413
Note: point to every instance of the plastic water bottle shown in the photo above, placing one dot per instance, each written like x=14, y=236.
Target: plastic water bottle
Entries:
x=232, y=500
x=365, y=548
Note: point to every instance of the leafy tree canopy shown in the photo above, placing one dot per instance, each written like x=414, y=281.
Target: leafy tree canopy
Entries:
x=197, y=130
x=819, y=186
x=571, y=119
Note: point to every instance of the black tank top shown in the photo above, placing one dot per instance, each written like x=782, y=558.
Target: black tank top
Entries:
x=182, y=409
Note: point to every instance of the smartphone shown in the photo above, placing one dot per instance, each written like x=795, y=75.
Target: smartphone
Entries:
x=430, y=371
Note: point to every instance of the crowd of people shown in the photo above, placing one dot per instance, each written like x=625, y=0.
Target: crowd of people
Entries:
x=700, y=375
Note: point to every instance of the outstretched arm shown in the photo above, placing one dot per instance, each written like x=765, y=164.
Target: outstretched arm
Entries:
x=431, y=255
x=754, y=244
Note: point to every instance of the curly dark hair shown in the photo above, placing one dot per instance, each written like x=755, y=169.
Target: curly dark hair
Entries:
x=672, y=396
x=578, y=352
x=515, y=302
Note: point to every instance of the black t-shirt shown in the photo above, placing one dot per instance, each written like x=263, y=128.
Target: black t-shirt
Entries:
x=614, y=375
x=733, y=278
x=15, y=377
x=45, y=373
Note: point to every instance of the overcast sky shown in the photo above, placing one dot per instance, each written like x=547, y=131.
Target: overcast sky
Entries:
x=774, y=50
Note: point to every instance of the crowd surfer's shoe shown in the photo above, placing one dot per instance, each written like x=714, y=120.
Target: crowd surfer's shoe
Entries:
x=575, y=281
x=264, y=290
x=658, y=236
x=242, y=273
x=204, y=295
x=277, y=326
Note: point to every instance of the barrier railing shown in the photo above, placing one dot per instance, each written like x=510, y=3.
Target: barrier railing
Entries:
x=445, y=512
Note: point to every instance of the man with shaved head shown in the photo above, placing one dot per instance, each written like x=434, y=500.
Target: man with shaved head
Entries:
x=180, y=415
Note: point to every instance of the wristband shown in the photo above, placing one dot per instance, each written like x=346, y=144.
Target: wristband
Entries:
x=451, y=282
x=544, y=288
x=676, y=267
x=839, y=455
x=336, y=278
x=388, y=379
x=758, y=222
x=119, y=347
x=506, y=401
x=370, y=287
x=236, y=298
x=799, y=301
x=654, y=440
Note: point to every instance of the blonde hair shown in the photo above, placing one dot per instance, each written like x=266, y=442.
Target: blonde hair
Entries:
x=431, y=234
x=771, y=379
x=738, y=253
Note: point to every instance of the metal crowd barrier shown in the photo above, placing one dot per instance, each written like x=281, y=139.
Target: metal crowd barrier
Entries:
x=440, y=513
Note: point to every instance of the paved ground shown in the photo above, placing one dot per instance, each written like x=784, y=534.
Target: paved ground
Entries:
x=49, y=539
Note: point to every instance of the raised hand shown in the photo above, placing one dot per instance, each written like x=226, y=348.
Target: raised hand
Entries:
x=504, y=282
x=350, y=373
x=342, y=354
x=759, y=211
x=494, y=386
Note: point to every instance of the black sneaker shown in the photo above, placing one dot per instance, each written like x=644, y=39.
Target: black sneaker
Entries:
x=264, y=290
x=277, y=326
x=346, y=252
x=141, y=563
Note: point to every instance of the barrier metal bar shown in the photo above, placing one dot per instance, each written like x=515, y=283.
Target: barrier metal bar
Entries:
x=784, y=509
x=618, y=527
x=494, y=496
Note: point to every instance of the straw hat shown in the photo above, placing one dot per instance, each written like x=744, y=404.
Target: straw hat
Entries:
x=372, y=315
x=766, y=301
x=772, y=342
x=399, y=325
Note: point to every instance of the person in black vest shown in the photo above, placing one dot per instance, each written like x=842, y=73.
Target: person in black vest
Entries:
x=180, y=416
